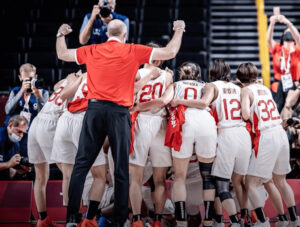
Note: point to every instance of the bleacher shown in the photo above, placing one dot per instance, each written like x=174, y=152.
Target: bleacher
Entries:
x=29, y=29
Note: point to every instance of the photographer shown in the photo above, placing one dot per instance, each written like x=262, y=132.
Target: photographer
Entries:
x=9, y=148
x=26, y=100
x=94, y=27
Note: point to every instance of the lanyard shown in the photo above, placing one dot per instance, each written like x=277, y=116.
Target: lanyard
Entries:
x=26, y=99
x=286, y=68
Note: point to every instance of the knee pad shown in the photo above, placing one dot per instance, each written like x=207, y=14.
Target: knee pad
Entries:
x=208, y=179
x=223, y=188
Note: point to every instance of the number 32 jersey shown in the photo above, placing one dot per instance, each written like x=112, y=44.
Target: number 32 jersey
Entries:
x=227, y=107
x=263, y=111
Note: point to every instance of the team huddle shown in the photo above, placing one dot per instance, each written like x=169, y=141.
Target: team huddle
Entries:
x=232, y=129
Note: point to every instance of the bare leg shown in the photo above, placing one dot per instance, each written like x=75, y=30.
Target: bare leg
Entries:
x=275, y=196
x=40, y=183
x=98, y=186
x=285, y=190
x=135, y=187
x=240, y=190
x=67, y=172
x=159, y=177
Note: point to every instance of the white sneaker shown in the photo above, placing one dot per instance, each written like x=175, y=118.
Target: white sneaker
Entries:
x=281, y=224
x=264, y=224
x=295, y=223
x=71, y=225
x=235, y=225
x=216, y=224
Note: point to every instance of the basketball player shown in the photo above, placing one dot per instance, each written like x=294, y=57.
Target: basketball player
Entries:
x=199, y=133
x=234, y=142
x=271, y=151
x=149, y=136
x=40, y=143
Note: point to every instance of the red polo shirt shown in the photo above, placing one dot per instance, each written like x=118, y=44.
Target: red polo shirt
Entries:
x=111, y=69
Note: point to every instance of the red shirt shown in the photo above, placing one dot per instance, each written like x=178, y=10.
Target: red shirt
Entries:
x=295, y=57
x=111, y=69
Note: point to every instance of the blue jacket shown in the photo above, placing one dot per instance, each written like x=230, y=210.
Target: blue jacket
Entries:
x=99, y=28
x=7, y=150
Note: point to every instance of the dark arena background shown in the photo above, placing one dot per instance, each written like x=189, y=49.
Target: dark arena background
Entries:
x=234, y=30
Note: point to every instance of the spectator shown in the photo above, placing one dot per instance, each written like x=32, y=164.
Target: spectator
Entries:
x=286, y=55
x=10, y=137
x=94, y=27
x=22, y=102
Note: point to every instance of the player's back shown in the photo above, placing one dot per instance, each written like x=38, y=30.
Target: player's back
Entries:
x=263, y=111
x=55, y=106
x=79, y=101
x=152, y=90
x=227, y=106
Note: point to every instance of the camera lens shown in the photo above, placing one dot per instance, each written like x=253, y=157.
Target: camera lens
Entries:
x=290, y=121
x=105, y=11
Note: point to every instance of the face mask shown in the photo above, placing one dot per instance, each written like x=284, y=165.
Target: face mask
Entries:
x=14, y=138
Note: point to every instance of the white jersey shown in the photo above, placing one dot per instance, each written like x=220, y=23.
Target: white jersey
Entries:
x=152, y=90
x=263, y=112
x=55, y=106
x=227, y=106
x=81, y=90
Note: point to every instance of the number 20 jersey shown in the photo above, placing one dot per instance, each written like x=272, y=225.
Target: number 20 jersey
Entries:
x=227, y=107
x=263, y=111
x=152, y=90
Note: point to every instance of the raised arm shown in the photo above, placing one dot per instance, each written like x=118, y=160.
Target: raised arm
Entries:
x=173, y=46
x=71, y=88
x=270, y=31
x=246, y=101
x=87, y=26
x=293, y=29
x=63, y=53
x=206, y=99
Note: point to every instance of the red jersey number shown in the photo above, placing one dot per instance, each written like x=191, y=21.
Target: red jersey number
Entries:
x=149, y=89
x=56, y=97
x=191, y=89
x=267, y=111
x=233, y=107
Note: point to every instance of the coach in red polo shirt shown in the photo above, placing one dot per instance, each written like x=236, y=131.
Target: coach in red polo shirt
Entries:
x=112, y=68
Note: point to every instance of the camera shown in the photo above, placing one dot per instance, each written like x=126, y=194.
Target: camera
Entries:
x=34, y=82
x=292, y=121
x=105, y=10
x=25, y=162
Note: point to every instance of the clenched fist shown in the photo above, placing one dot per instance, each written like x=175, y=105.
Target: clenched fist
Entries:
x=65, y=29
x=179, y=25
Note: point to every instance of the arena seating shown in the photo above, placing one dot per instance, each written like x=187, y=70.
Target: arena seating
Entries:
x=32, y=38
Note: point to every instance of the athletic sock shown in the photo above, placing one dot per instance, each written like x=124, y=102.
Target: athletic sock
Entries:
x=92, y=210
x=209, y=210
x=136, y=217
x=219, y=218
x=180, y=213
x=282, y=217
x=157, y=217
x=293, y=213
x=234, y=218
x=260, y=214
x=43, y=215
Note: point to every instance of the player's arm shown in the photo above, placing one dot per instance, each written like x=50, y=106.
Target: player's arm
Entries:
x=206, y=99
x=71, y=88
x=63, y=53
x=246, y=100
x=141, y=82
x=156, y=103
x=291, y=100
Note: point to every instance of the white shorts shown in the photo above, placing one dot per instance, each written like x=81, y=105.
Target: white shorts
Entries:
x=199, y=134
x=273, y=154
x=233, y=152
x=149, y=140
x=66, y=140
x=40, y=139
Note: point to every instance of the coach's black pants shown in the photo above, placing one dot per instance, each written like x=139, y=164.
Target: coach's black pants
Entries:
x=102, y=119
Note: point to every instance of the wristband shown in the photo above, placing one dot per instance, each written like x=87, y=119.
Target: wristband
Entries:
x=59, y=34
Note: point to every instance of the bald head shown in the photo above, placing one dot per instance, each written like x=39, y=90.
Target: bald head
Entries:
x=117, y=28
